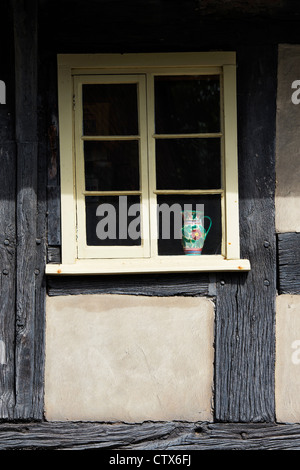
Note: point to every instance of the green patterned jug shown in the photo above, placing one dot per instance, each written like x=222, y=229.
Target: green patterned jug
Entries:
x=193, y=231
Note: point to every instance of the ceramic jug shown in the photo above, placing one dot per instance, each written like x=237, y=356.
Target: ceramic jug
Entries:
x=193, y=231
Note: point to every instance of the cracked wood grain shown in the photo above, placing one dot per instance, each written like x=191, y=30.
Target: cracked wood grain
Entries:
x=152, y=436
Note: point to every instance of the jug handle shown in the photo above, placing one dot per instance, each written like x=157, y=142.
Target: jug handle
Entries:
x=209, y=225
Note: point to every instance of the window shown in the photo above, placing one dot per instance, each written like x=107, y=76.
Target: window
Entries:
x=148, y=152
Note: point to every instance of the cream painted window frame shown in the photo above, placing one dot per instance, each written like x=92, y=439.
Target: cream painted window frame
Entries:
x=70, y=68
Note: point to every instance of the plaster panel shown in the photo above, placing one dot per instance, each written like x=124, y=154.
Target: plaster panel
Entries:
x=288, y=142
x=129, y=358
x=287, y=371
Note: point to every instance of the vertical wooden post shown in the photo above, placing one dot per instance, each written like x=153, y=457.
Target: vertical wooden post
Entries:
x=27, y=387
x=245, y=313
x=7, y=220
x=7, y=278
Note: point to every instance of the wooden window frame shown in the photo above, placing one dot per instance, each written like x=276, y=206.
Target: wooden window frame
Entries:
x=71, y=69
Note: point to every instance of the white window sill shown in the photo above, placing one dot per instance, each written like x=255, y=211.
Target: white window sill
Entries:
x=170, y=264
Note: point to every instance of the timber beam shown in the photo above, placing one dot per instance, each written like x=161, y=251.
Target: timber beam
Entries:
x=148, y=436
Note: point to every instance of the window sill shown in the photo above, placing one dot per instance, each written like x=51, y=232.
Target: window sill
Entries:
x=168, y=264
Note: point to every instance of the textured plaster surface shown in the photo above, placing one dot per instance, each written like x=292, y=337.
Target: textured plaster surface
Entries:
x=129, y=358
x=288, y=141
x=288, y=359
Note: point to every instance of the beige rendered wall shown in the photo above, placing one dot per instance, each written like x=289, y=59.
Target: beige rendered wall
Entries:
x=288, y=141
x=129, y=358
x=287, y=370
x=288, y=359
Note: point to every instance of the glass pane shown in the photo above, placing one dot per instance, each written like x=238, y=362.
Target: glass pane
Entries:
x=113, y=220
x=110, y=109
x=188, y=163
x=187, y=104
x=170, y=224
x=111, y=165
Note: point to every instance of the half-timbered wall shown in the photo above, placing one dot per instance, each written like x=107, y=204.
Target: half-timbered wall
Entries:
x=230, y=318
x=244, y=303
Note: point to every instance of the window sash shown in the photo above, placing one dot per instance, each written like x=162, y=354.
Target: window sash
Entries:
x=88, y=251
x=152, y=137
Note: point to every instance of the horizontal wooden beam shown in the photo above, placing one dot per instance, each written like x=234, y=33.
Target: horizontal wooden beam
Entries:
x=151, y=285
x=288, y=263
x=148, y=436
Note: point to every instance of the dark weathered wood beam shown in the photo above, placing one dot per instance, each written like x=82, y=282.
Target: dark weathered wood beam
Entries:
x=153, y=285
x=27, y=338
x=7, y=219
x=7, y=278
x=151, y=436
x=288, y=263
x=245, y=312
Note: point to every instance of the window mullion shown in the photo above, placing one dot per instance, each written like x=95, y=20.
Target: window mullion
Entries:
x=231, y=163
x=152, y=165
x=79, y=166
x=144, y=182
